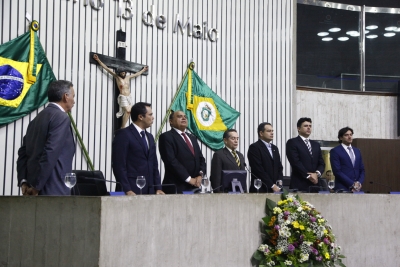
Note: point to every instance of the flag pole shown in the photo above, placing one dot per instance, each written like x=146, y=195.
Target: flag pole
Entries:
x=81, y=144
x=191, y=66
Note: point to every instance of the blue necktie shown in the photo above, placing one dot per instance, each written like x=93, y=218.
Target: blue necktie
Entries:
x=144, y=140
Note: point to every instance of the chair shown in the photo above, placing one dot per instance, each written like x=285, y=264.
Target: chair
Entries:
x=89, y=183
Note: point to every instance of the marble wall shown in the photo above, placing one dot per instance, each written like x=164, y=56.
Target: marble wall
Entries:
x=370, y=116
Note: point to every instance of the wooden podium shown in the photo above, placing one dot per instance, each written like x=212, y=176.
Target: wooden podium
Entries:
x=381, y=159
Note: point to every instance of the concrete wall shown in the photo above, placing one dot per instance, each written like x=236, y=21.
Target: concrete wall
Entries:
x=197, y=230
x=370, y=116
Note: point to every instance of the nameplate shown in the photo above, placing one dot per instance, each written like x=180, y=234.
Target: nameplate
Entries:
x=113, y=194
x=395, y=193
x=359, y=193
x=279, y=192
x=324, y=192
x=187, y=192
x=234, y=193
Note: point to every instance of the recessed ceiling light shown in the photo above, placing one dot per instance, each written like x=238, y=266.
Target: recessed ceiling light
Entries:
x=343, y=38
x=327, y=39
x=323, y=33
x=334, y=29
x=391, y=28
x=389, y=34
x=372, y=36
x=397, y=30
x=353, y=33
x=366, y=32
x=371, y=27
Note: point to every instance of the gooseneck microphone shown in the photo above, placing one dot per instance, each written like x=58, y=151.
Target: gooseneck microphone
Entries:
x=266, y=186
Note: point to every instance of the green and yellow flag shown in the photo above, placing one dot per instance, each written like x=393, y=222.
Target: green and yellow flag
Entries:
x=208, y=115
x=25, y=74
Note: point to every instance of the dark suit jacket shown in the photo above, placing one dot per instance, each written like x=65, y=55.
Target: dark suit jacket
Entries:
x=302, y=162
x=47, y=151
x=223, y=160
x=263, y=166
x=130, y=158
x=345, y=173
x=179, y=161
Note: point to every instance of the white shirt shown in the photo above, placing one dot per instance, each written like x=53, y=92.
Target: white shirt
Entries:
x=139, y=131
x=348, y=152
x=54, y=103
x=180, y=134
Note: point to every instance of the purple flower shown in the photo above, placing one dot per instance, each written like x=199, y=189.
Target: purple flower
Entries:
x=277, y=227
x=319, y=258
x=266, y=250
x=301, y=237
x=290, y=248
x=313, y=219
x=286, y=213
x=313, y=250
x=295, y=244
x=326, y=241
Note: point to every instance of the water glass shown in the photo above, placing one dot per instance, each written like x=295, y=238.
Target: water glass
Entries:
x=257, y=184
x=140, y=182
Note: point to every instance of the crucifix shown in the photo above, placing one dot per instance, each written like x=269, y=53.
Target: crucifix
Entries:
x=121, y=67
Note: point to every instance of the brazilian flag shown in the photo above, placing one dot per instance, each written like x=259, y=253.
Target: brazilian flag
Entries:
x=208, y=115
x=25, y=74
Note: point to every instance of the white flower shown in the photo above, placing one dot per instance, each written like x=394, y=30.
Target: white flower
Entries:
x=287, y=262
x=299, y=209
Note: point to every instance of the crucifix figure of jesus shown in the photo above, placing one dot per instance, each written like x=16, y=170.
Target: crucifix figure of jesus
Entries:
x=125, y=101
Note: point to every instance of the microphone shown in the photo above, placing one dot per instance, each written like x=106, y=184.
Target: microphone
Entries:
x=218, y=187
x=266, y=186
x=170, y=185
x=385, y=185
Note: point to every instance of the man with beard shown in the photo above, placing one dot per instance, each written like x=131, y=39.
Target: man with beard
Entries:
x=124, y=99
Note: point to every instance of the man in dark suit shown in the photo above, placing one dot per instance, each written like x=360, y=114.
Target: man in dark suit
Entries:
x=182, y=157
x=48, y=147
x=227, y=158
x=265, y=160
x=346, y=162
x=305, y=158
x=134, y=153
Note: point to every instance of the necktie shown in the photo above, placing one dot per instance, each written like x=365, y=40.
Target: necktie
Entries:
x=352, y=157
x=270, y=150
x=308, y=146
x=188, y=143
x=236, y=158
x=144, y=140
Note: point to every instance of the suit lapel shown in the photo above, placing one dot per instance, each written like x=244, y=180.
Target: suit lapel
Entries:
x=182, y=142
x=229, y=155
x=139, y=138
x=347, y=156
x=304, y=146
x=264, y=147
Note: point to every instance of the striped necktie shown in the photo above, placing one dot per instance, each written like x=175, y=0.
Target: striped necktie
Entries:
x=352, y=156
x=236, y=158
x=308, y=146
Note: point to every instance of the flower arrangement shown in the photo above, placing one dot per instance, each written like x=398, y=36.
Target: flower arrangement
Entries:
x=296, y=235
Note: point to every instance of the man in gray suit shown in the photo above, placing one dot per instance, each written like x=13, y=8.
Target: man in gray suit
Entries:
x=48, y=147
x=227, y=158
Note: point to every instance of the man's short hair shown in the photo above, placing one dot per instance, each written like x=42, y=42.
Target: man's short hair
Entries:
x=226, y=133
x=261, y=127
x=139, y=109
x=301, y=120
x=171, y=115
x=343, y=131
x=57, y=89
